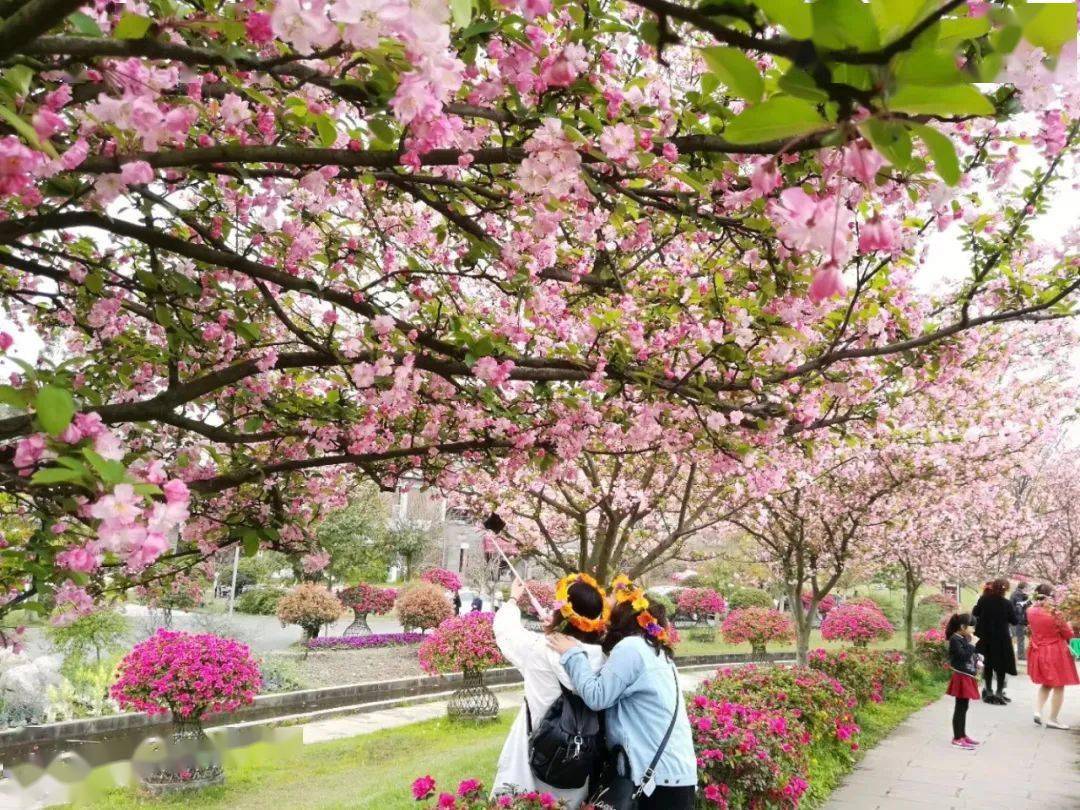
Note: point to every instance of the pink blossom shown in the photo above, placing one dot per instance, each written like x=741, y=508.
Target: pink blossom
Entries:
x=423, y=788
x=382, y=324
x=6, y=341
x=862, y=163
x=108, y=445
x=135, y=173
x=415, y=98
x=176, y=491
x=122, y=505
x=71, y=603
x=81, y=559
x=17, y=165
x=617, y=142
x=303, y=24
x=827, y=283
x=29, y=451
x=315, y=562
x=258, y=28
x=766, y=177
x=492, y=371
x=47, y=123
x=879, y=234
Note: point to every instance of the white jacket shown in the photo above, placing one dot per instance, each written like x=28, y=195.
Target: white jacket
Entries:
x=539, y=666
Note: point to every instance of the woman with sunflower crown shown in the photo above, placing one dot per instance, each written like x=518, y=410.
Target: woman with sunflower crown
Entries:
x=581, y=612
x=637, y=689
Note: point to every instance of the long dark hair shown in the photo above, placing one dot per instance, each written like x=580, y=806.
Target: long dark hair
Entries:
x=1044, y=591
x=956, y=621
x=586, y=601
x=996, y=587
x=624, y=624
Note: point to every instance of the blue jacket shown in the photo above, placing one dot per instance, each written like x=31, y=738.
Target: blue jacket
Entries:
x=637, y=691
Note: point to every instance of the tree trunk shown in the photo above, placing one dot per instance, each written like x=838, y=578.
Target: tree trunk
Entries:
x=910, y=589
x=803, y=623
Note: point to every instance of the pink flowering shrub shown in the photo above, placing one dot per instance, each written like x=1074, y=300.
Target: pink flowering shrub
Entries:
x=857, y=624
x=816, y=701
x=310, y=606
x=827, y=603
x=543, y=592
x=700, y=602
x=364, y=598
x=757, y=626
x=461, y=643
x=944, y=602
x=932, y=650
x=443, y=577
x=471, y=795
x=870, y=675
x=864, y=602
x=187, y=674
x=422, y=606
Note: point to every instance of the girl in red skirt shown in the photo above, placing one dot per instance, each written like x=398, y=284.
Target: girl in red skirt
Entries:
x=964, y=684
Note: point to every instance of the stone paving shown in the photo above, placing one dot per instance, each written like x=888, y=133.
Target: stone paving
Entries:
x=1019, y=766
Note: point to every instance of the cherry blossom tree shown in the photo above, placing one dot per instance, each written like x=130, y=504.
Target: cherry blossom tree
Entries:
x=275, y=245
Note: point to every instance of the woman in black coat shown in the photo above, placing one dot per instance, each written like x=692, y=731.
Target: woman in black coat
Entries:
x=994, y=615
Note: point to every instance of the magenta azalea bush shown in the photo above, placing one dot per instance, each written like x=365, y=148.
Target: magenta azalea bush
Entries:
x=471, y=795
x=857, y=624
x=818, y=702
x=700, y=602
x=870, y=675
x=864, y=602
x=747, y=756
x=825, y=606
x=364, y=598
x=461, y=643
x=187, y=674
x=364, y=642
x=757, y=626
x=441, y=576
x=932, y=650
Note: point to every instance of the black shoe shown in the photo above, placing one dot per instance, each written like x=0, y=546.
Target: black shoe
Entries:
x=1003, y=698
x=987, y=696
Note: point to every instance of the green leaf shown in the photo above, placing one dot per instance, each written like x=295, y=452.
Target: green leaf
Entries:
x=108, y=470
x=1051, y=26
x=26, y=131
x=942, y=151
x=798, y=82
x=840, y=24
x=327, y=131
x=54, y=408
x=250, y=538
x=146, y=489
x=794, y=15
x=891, y=139
x=94, y=283
x=55, y=475
x=10, y=395
x=131, y=26
x=736, y=70
x=957, y=99
x=927, y=67
x=247, y=331
x=382, y=130
x=774, y=119
x=895, y=17
x=84, y=24
x=19, y=77
x=461, y=11
x=952, y=29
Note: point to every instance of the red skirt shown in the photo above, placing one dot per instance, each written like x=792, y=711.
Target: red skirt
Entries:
x=1051, y=664
x=962, y=685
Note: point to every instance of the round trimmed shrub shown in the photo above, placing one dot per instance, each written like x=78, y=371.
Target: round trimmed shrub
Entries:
x=748, y=597
x=857, y=624
x=260, y=600
x=364, y=598
x=310, y=606
x=463, y=643
x=757, y=626
x=422, y=606
x=932, y=651
x=700, y=602
x=187, y=674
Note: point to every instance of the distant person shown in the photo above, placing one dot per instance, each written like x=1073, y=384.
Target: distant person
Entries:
x=1050, y=663
x=477, y=604
x=457, y=603
x=1020, y=600
x=994, y=616
x=964, y=683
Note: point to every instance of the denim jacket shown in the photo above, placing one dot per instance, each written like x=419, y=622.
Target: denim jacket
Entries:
x=637, y=691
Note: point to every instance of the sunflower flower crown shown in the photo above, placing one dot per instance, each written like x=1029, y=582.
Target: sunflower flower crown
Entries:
x=562, y=603
x=625, y=591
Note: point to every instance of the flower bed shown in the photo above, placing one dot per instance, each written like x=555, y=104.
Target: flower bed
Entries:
x=364, y=642
x=870, y=675
x=932, y=650
x=461, y=643
x=471, y=795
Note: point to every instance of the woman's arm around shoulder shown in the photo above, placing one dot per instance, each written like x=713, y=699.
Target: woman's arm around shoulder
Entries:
x=602, y=690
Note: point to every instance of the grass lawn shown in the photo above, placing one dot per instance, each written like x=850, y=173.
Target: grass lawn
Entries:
x=691, y=646
x=362, y=773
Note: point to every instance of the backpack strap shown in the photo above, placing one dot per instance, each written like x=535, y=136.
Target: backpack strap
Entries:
x=528, y=719
x=651, y=770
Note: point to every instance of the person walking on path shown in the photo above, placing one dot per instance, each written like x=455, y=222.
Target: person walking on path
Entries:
x=1020, y=600
x=994, y=615
x=544, y=678
x=964, y=683
x=638, y=691
x=1050, y=662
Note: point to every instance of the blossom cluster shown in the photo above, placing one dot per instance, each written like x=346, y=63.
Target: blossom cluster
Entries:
x=364, y=642
x=757, y=626
x=462, y=643
x=932, y=650
x=365, y=598
x=870, y=675
x=444, y=577
x=827, y=603
x=857, y=624
x=470, y=795
x=944, y=602
x=542, y=592
x=700, y=602
x=187, y=674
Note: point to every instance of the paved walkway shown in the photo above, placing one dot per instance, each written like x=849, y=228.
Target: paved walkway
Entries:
x=1020, y=766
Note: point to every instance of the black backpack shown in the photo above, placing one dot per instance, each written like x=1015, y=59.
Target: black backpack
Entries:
x=568, y=744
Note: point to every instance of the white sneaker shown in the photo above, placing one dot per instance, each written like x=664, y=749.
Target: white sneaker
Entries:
x=1056, y=724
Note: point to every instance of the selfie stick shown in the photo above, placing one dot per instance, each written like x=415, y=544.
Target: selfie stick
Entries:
x=495, y=525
